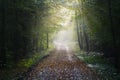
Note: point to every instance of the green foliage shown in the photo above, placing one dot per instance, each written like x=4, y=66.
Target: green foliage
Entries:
x=14, y=72
x=24, y=29
x=99, y=20
x=92, y=59
x=32, y=60
x=103, y=66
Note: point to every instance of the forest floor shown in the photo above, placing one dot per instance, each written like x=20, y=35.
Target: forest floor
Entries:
x=61, y=65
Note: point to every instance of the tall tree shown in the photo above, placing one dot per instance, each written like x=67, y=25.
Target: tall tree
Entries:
x=115, y=48
x=2, y=34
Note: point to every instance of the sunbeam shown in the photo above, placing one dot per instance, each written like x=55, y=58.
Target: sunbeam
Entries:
x=64, y=37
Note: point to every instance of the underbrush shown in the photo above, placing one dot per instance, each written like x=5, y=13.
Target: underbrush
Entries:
x=17, y=71
x=102, y=65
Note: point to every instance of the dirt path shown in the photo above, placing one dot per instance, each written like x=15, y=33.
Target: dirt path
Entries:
x=61, y=65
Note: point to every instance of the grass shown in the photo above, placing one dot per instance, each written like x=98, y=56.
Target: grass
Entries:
x=29, y=62
x=103, y=66
x=13, y=73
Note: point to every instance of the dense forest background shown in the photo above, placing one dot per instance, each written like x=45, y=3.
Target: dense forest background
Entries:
x=26, y=27
x=23, y=30
x=98, y=27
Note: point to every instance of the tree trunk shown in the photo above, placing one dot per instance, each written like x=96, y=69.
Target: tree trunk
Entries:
x=3, y=36
x=78, y=32
x=116, y=55
x=16, y=36
x=86, y=47
x=47, y=40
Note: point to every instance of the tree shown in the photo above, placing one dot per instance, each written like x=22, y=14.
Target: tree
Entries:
x=2, y=34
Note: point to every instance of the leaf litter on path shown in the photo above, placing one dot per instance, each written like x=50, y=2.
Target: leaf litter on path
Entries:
x=61, y=65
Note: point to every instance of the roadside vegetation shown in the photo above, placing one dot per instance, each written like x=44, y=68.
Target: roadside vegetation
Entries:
x=103, y=66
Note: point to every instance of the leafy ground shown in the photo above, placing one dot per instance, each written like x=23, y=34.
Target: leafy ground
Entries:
x=102, y=65
x=61, y=65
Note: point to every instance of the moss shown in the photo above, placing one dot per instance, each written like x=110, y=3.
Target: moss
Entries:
x=103, y=66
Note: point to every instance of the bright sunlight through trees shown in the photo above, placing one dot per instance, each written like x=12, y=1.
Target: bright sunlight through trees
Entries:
x=64, y=38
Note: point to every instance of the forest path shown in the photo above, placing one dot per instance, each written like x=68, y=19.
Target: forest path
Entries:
x=61, y=65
